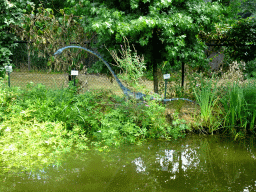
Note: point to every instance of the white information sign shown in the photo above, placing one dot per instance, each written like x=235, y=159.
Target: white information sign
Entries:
x=74, y=72
x=8, y=69
x=167, y=76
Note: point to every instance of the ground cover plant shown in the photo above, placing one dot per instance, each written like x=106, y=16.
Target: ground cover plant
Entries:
x=39, y=124
x=47, y=123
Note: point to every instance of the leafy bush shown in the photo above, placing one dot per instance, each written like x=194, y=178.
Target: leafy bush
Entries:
x=102, y=117
x=249, y=68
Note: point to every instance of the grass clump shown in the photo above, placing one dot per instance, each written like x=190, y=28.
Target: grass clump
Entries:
x=206, y=97
x=239, y=106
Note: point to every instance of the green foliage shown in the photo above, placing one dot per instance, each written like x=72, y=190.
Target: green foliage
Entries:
x=250, y=69
x=206, y=98
x=10, y=14
x=27, y=139
x=234, y=104
x=133, y=122
x=177, y=26
x=36, y=144
x=133, y=67
x=99, y=116
x=243, y=32
x=49, y=33
x=239, y=105
x=97, y=67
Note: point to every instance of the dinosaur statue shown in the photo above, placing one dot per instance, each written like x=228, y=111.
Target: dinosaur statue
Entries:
x=127, y=92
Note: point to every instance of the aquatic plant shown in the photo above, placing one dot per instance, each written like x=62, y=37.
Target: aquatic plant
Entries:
x=207, y=100
x=239, y=105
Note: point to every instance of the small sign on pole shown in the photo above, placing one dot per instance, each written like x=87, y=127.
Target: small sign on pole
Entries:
x=167, y=76
x=74, y=72
x=8, y=69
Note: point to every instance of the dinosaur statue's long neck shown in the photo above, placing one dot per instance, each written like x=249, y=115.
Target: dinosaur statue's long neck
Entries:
x=127, y=92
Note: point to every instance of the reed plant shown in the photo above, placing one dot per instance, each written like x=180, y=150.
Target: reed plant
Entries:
x=234, y=104
x=239, y=106
x=206, y=97
x=250, y=98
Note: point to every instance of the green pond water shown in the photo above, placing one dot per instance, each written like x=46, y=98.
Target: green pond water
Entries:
x=194, y=163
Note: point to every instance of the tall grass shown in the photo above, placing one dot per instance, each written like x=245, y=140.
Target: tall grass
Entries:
x=206, y=97
x=132, y=66
x=250, y=98
x=239, y=105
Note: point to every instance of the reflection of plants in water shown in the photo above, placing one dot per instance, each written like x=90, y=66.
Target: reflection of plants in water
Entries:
x=191, y=164
x=225, y=164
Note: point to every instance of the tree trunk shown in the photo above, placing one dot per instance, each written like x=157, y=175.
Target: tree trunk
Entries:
x=155, y=77
x=155, y=59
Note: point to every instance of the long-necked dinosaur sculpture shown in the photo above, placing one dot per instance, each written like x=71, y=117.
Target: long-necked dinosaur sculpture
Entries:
x=127, y=92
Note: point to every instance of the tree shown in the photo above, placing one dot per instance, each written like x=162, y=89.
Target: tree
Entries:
x=10, y=14
x=47, y=33
x=238, y=33
x=243, y=39
x=162, y=30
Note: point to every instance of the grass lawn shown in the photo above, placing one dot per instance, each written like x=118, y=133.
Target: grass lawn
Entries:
x=57, y=80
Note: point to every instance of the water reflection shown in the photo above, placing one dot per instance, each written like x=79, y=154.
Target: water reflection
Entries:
x=191, y=164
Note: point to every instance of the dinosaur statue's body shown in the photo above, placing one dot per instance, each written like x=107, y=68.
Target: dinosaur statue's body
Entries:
x=127, y=92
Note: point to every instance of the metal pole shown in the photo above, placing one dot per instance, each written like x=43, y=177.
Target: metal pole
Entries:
x=182, y=74
x=9, y=81
x=165, y=88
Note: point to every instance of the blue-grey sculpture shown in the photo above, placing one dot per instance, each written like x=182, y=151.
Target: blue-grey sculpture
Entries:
x=127, y=92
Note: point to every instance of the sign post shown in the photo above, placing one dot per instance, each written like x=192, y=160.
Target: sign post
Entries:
x=166, y=77
x=74, y=73
x=9, y=70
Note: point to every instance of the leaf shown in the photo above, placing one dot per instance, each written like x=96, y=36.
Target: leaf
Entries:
x=49, y=63
x=39, y=32
x=62, y=11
